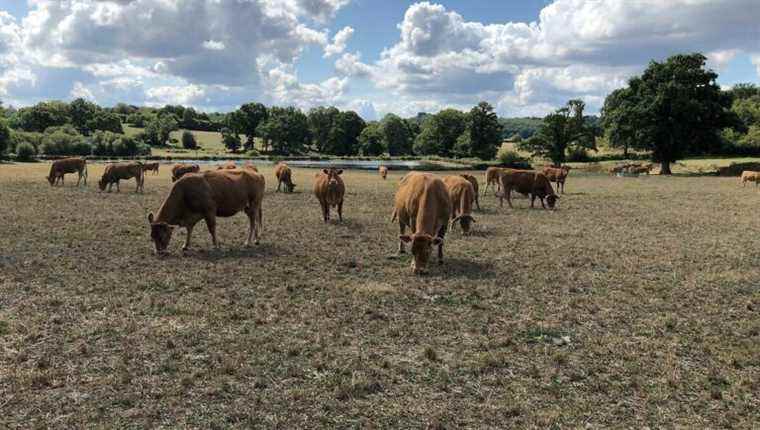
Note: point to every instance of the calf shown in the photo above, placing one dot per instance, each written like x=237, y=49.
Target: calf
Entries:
x=461, y=194
x=207, y=195
x=492, y=179
x=284, y=176
x=423, y=204
x=529, y=183
x=61, y=167
x=329, y=190
x=122, y=171
x=152, y=167
x=557, y=175
x=474, y=183
x=750, y=176
x=179, y=170
x=383, y=172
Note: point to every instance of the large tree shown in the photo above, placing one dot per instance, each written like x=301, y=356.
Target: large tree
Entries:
x=371, y=140
x=286, y=130
x=159, y=128
x=41, y=116
x=344, y=134
x=250, y=115
x=439, y=133
x=676, y=108
x=482, y=136
x=82, y=112
x=396, y=135
x=321, y=121
x=564, y=129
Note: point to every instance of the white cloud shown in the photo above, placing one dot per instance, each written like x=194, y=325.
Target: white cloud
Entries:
x=214, y=45
x=184, y=95
x=80, y=91
x=339, y=42
x=282, y=85
x=755, y=59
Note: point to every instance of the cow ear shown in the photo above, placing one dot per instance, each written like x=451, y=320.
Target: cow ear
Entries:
x=325, y=171
x=340, y=171
x=405, y=238
x=150, y=217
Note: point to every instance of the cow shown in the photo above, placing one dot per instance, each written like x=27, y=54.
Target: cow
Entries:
x=284, y=176
x=475, y=187
x=329, y=190
x=461, y=194
x=151, y=167
x=557, y=175
x=178, y=170
x=639, y=168
x=616, y=169
x=750, y=176
x=61, y=167
x=383, y=172
x=422, y=203
x=207, y=195
x=529, y=183
x=248, y=165
x=123, y=171
x=230, y=165
x=492, y=179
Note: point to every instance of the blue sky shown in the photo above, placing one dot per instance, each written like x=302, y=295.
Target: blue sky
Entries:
x=525, y=57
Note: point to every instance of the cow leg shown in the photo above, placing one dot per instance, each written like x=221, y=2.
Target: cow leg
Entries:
x=477, y=202
x=79, y=179
x=401, y=231
x=532, y=200
x=325, y=211
x=279, y=183
x=340, y=211
x=186, y=246
x=118, y=190
x=441, y=234
x=211, y=224
x=253, y=224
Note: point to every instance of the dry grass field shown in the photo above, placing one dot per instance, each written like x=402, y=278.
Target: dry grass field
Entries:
x=636, y=303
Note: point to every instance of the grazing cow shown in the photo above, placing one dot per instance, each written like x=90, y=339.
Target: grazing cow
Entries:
x=329, y=190
x=557, y=175
x=616, y=169
x=529, y=183
x=207, y=195
x=750, y=176
x=639, y=168
x=474, y=183
x=422, y=203
x=284, y=176
x=248, y=165
x=383, y=172
x=179, y=170
x=461, y=194
x=122, y=171
x=492, y=179
x=229, y=165
x=61, y=167
x=151, y=166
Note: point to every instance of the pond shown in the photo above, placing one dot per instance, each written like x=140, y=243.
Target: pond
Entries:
x=337, y=163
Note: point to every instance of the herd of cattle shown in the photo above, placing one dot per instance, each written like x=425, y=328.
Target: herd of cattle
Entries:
x=426, y=204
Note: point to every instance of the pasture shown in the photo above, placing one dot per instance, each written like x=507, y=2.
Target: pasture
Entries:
x=636, y=303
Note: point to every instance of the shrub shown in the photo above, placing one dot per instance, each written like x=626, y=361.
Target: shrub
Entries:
x=508, y=157
x=25, y=152
x=578, y=155
x=19, y=137
x=61, y=143
x=188, y=140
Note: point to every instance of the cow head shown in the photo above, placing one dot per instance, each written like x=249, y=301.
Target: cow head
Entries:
x=50, y=179
x=551, y=200
x=332, y=176
x=161, y=233
x=291, y=186
x=422, y=247
x=102, y=183
x=465, y=221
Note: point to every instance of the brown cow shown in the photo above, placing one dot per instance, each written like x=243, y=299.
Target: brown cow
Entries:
x=639, y=168
x=152, y=167
x=422, y=203
x=284, y=176
x=178, y=170
x=207, y=195
x=383, y=172
x=557, y=175
x=474, y=183
x=750, y=176
x=122, y=171
x=329, y=190
x=529, y=183
x=461, y=194
x=61, y=167
x=229, y=165
x=492, y=179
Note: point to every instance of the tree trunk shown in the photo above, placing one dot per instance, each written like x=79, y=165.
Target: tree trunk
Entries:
x=665, y=168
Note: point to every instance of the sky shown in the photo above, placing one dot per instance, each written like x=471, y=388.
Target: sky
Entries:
x=525, y=57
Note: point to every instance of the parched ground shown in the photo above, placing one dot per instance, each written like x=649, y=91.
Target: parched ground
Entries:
x=637, y=303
